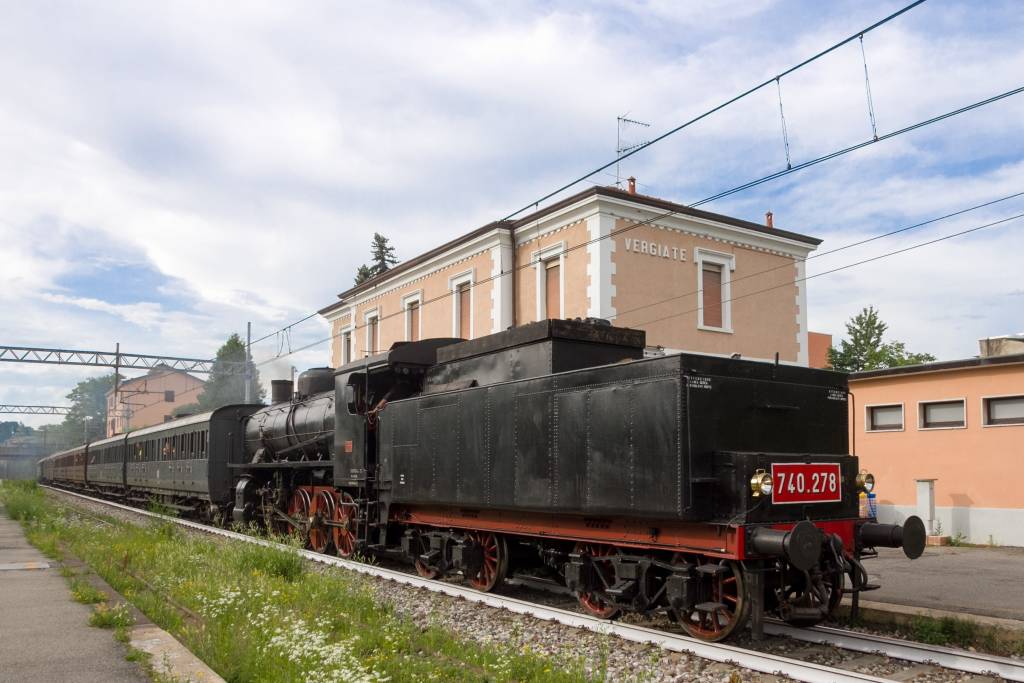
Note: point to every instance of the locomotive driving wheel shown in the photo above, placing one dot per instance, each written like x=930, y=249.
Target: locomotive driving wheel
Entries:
x=600, y=555
x=343, y=516
x=494, y=567
x=723, y=606
x=322, y=509
x=299, y=513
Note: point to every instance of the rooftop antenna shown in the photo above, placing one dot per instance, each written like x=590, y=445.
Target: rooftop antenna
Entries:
x=622, y=145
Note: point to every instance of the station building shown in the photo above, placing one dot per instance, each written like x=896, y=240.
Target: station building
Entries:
x=959, y=423
x=150, y=399
x=694, y=280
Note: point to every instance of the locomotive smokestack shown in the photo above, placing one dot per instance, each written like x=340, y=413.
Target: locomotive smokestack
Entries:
x=280, y=390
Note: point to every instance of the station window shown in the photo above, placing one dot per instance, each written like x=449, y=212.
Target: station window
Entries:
x=462, y=305
x=553, y=288
x=346, y=347
x=885, y=418
x=372, y=332
x=942, y=415
x=412, y=319
x=1003, y=410
x=714, y=306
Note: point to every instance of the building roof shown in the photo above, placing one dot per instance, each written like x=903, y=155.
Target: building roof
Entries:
x=939, y=366
x=595, y=191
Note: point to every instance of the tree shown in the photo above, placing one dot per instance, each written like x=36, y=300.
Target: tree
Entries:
x=8, y=429
x=382, y=254
x=866, y=349
x=363, y=274
x=88, y=415
x=227, y=379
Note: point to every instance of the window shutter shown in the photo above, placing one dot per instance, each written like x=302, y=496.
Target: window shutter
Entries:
x=712, y=301
x=553, y=290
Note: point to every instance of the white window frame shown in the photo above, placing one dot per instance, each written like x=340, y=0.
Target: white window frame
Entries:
x=727, y=262
x=984, y=412
x=350, y=351
x=920, y=413
x=466, y=277
x=540, y=259
x=867, y=417
x=414, y=298
x=372, y=313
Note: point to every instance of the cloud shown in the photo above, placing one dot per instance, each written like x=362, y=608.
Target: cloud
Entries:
x=239, y=158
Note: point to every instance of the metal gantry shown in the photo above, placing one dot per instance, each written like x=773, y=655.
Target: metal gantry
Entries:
x=34, y=410
x=112, y=359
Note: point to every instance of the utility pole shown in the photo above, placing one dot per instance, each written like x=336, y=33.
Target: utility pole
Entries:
x=117, y=382
x=248, y=362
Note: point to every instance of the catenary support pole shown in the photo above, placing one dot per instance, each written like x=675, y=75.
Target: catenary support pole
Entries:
x=248, y=362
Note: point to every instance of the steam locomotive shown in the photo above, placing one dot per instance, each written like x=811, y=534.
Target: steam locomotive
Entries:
x=715, y=490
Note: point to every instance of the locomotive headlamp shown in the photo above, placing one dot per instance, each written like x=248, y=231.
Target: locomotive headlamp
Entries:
x=865, y=482
x=761, y=484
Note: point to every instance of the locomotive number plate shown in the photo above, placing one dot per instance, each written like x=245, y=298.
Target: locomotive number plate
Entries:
x=798, y=482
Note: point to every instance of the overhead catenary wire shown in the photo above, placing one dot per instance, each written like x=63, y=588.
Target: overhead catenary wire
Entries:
x=851, y=245
x=841, y=268
x=671, y=212
x=642, y=146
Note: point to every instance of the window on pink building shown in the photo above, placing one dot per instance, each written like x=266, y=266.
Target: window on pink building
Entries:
x=885, y=418
x=942, y=415
x=1004, y=410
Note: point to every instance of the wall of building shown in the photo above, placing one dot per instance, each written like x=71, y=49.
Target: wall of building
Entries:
x=976, y=492
x=143, y=399
x=437, y=307
x=656, y=285
x=569, y=241
x=645, y=277
x=818, y=345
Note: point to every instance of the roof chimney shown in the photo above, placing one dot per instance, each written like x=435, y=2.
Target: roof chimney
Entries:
x=632, y=184
x=768, y=219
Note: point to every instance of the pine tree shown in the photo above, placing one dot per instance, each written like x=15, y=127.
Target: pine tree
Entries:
x=363, y=274
x=866, y=349
x=226, y=384
x=382, y=254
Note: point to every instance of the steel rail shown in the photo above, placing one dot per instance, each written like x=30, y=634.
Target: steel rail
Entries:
x=718, y=652
x=946, y=657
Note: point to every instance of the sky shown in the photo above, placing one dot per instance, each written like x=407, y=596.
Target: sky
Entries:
x=171, y=171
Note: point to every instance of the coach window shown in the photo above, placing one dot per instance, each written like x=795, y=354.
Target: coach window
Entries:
x=1001, y=411
x=887, y=418
x=714, y=290
x=947, y=414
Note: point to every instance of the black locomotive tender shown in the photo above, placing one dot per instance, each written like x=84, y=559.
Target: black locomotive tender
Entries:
x=713, y=489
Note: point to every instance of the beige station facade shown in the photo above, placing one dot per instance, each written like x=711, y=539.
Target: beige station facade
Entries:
x=150, y=399
x=695, y=281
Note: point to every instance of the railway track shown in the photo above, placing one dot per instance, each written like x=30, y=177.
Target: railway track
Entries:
x=764, y=662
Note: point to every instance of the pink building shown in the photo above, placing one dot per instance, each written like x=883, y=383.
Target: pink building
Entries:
x=960, y=423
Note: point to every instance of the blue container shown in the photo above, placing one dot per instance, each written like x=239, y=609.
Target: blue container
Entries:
x=872, y=506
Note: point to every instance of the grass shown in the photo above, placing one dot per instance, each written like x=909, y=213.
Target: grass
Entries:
x=261, y=614
x=105, y=616
x=84, y=592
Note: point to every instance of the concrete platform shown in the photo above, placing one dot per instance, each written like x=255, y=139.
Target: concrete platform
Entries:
x=44, y=634
x=986, y=582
